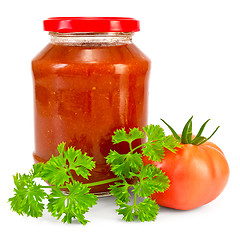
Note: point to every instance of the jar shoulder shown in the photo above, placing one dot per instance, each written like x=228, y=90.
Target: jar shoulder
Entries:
x=96, y=54
x=43, y=53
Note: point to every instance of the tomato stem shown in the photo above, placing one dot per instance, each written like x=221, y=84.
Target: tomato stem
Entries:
x=206, y=139
x=172, y=130
x=186, y=137
x=187, y=132
x=198, y=137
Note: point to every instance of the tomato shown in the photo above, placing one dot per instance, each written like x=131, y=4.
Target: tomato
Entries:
x=197, y=173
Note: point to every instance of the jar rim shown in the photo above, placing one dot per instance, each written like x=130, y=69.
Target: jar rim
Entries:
x=91, y=24
x=91, y=39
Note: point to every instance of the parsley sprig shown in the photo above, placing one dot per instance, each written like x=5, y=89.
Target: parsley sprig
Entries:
x=132, y=178
x=29, y=195
x=150, y=179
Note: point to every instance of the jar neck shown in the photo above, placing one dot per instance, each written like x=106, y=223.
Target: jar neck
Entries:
x=91, y=39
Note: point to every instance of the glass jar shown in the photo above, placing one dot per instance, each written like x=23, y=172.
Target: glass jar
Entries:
x=88, y=81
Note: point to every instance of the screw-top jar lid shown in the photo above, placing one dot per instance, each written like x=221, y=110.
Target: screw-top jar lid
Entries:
x=91, y=24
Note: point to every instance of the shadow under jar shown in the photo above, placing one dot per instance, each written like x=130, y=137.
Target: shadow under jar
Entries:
x=89, y=81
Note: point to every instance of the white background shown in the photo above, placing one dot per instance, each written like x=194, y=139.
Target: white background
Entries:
x=195, y=51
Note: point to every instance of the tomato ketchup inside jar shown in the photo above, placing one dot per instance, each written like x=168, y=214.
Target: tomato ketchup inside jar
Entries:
x=89, y=81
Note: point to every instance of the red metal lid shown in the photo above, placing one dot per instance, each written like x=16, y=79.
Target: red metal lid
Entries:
x=91, y=24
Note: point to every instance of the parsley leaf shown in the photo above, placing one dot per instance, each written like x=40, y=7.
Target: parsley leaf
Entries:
x=72, y=205
x=28, y=196
x=171, y=143
x=154, y=132
x=154, y=151
x=121, y=135
x=126, y=210
x=37, y=170
x=120, y=191
x=150, y=179
x=157, y=141
x=58, y=169
x=146, y=210
x=123, y=164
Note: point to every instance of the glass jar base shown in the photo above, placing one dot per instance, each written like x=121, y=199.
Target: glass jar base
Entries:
x=103, y=194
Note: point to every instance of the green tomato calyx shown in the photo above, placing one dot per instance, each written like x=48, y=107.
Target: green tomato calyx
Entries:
x=187, y=137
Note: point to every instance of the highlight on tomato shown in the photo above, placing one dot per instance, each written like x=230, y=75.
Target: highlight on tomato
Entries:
x=198, y=171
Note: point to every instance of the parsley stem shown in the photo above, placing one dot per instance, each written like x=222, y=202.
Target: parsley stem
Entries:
x=130, y=146
x=102, y=182
x=91, y=184
x=135, y=203
x=71, y=176
x=137, y=147
x=47, y=186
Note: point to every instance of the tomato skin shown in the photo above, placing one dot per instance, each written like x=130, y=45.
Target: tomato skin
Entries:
x=198, y=174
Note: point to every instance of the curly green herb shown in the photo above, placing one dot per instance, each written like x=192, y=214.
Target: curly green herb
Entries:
x=72, y=204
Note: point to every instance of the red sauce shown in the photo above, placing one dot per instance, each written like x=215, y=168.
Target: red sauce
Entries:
x=82, y=95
